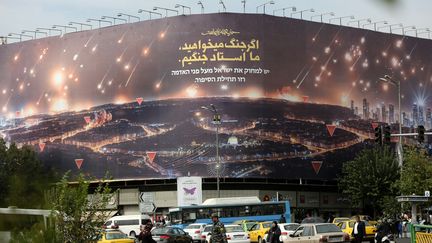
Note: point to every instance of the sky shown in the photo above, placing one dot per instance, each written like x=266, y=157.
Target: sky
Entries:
x=18, y=15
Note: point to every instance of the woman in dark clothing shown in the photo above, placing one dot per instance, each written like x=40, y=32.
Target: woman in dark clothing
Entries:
x=145, y=235
x=274, y=233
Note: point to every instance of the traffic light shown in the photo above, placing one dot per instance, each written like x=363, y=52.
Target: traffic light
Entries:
x=378, y=135
x=420, y=134
x=387, y=135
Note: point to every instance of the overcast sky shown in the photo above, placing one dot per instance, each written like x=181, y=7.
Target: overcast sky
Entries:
x=18, y=15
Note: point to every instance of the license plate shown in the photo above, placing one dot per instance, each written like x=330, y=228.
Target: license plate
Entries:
x=238, y=236
x=335, y=239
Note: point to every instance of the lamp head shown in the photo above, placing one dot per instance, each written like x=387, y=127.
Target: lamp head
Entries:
x=272, y=2
x=369, y=20
x=139, y=10
x=294, y=9
x=385, y=22
x=103, y=17
x=177, y=5
x=155, y=8
x=119, y=15
x=88, y=20
x=352, y=17
x=312, y=10
x=332, y=14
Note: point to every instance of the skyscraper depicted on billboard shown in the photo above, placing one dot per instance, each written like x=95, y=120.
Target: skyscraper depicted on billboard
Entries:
x=391, y=114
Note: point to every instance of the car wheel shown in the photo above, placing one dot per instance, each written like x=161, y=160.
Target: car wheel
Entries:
x=260, y=240
x=132, y=234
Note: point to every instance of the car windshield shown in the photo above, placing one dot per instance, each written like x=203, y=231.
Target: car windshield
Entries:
x=208, y=228
x=267, y=225
x=231, y=229
x=160, y=231
x=351, y=223
x=249, y=225
x=196, y=226
x=291, y=227
x=340, y=220
x=115, y=235
x=327, y=228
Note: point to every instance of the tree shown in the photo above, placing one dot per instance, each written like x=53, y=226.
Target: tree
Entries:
x=23, y=177
x=370, y=177
x=78, y=217
x=416, y=172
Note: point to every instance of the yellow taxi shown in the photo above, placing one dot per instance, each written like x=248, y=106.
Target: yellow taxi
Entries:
x=366, y=218
x=348, y=226
x=258, y=231
x=114, y=236
x=336, y=221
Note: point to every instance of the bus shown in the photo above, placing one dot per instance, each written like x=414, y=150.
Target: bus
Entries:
x=230, y=210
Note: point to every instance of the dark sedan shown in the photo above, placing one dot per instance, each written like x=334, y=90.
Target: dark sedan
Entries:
x=171, y=235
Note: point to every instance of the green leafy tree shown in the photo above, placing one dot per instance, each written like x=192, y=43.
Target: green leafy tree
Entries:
x=23, y=177
x=416, y=172
x=78, y=216
x=370, y=177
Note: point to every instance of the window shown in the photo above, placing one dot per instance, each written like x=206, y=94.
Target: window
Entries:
x=308, y=231
x=343, y=226
x=267, y=225
x=291, y=227
x=299, y=231
x=193, y=226
x=231, y=229
x=115, y=235
x=127, y=222
x=108, y=223
x=327, y=228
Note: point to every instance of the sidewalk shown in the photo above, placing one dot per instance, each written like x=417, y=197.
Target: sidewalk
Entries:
x=403, y=240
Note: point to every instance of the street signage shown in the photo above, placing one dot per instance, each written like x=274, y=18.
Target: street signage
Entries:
x=146, y=197
x=146, y=207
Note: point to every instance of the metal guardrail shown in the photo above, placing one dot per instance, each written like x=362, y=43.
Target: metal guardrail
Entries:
x=421, y=233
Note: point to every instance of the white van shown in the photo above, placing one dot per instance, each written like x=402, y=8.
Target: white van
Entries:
x=128, y=224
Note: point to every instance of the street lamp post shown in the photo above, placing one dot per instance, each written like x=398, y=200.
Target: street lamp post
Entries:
x=183, y=8
x=244, y=5
x=49, y=30
x=390, y=27
x=223, y=5
x=202, y=6
x=375, y=24
x=405, y=27
x=321, y=15
x=217, y=122
x=114, y=19
x=81, y=25
x=6, y=38
x=283, y=10
x=149, y=12
x=302, y=11
x=65, y=27
x=99, y=21
x=166, y=10
x=129, y=16
x=35, y=32
x=264, y=6
x=20, y=35
x=397, y=83
x=360, y=20
x=340, y=18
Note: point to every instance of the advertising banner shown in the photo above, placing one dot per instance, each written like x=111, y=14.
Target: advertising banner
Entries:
x=295, y=99
x=189, y=191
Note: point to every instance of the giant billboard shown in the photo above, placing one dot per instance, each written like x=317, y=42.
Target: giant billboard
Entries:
x=295, y=98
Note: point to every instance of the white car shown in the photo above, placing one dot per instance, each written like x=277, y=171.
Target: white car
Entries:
x=286, y=230
x=205, y=235
x=317, y=233
x=236, y=234
x=195, y=231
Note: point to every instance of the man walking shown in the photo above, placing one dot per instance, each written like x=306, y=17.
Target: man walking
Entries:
x=359, y=230
x=218, y=231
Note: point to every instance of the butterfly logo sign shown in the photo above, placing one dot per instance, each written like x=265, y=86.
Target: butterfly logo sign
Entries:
x=189, y=191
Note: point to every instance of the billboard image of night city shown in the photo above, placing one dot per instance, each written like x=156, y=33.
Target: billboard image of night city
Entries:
x=296, y=98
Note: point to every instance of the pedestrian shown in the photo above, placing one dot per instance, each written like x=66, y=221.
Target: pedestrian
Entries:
x=274, y=233
x=282, y=219
x=359, y=230
x=218, y=232
x=145, y=235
